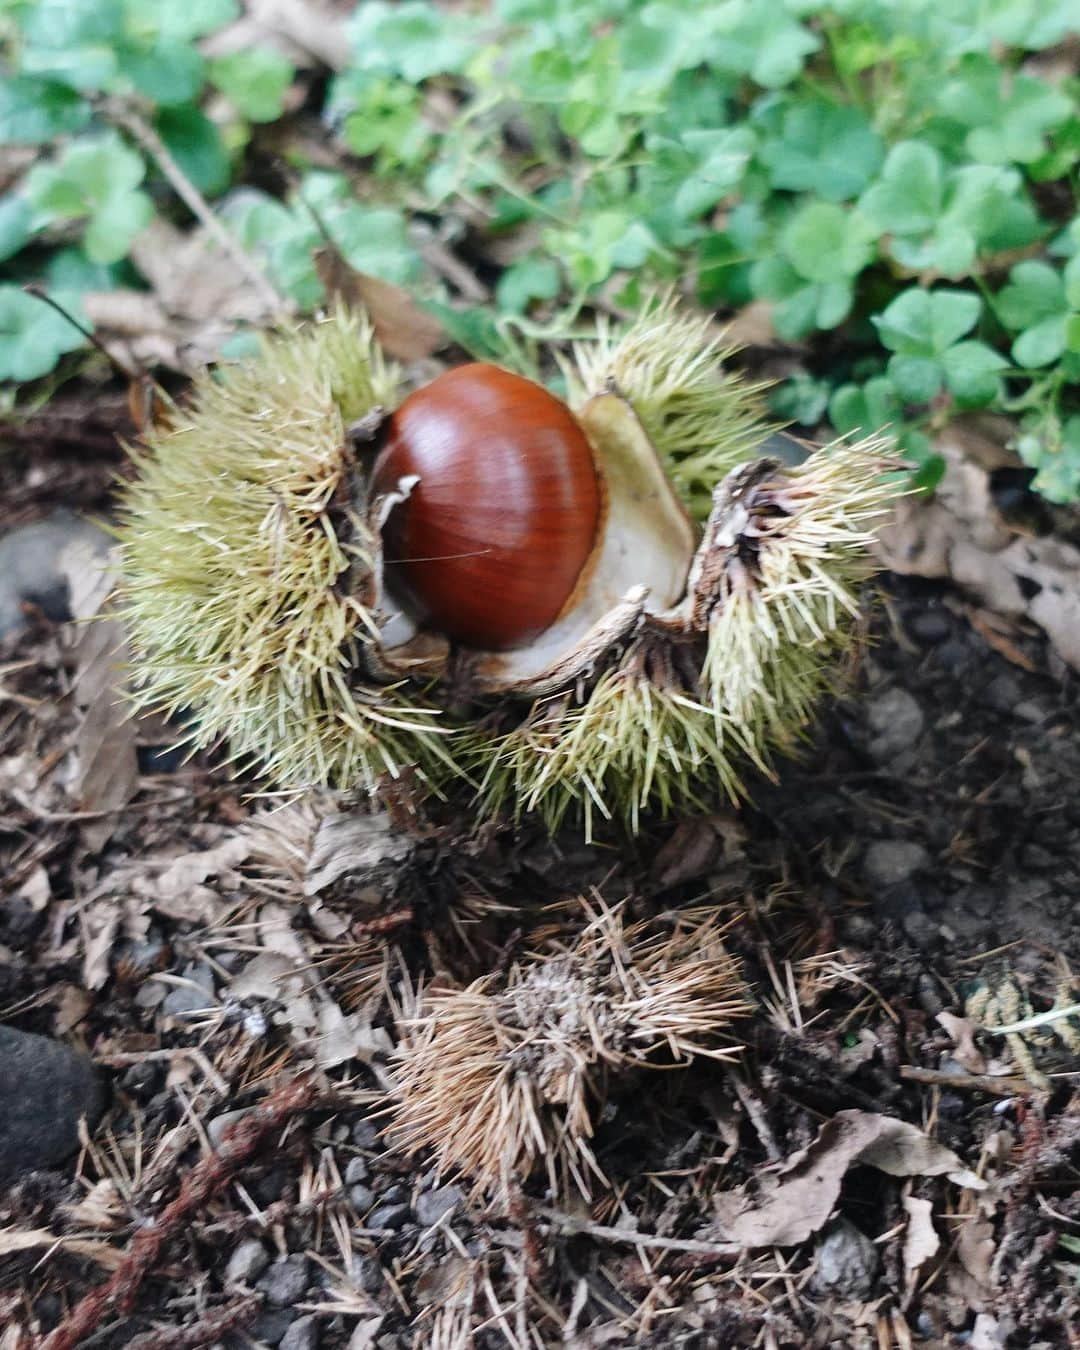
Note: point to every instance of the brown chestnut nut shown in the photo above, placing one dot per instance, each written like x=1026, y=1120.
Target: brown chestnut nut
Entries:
x=492, y=540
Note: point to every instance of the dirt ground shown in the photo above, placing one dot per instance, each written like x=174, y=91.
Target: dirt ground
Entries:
x=909, y=884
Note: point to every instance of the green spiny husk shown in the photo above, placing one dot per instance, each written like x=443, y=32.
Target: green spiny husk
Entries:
x=674, y=735
x=236, y=539
x=702, y=419
x=241, y=542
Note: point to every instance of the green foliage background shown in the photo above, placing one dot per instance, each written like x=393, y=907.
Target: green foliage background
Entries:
x=896, y=178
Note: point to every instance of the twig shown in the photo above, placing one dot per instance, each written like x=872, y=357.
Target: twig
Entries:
x=574, y=1227
x=966, y=1082
x=125, y=117
x=216, y=1170
x=204, y=1332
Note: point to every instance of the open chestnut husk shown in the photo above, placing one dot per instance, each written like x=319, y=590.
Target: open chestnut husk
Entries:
x=596, y=606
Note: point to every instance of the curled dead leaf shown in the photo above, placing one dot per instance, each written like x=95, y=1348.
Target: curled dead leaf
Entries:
x=799, y=1200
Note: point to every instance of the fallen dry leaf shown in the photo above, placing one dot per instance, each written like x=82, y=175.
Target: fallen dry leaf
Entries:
x=921, y=1241
x=976, y=1248
x=107, y=770
x=798, y=1201
x=406, y=331
x=349, y=843
x=958, y=533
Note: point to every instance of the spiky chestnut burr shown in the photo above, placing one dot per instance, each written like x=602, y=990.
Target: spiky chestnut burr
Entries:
x=508, y=1076
x=280, y=581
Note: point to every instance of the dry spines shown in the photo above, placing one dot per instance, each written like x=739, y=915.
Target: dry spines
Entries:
x=508, y=1076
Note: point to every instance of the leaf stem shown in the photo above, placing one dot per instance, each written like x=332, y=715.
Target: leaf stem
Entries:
x=126, y=118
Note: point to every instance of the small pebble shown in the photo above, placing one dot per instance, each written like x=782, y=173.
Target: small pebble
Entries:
x=247, y=1263
x=302, y=1335
x=889, y=861
x=284, y=1282
x=47, y=1086
x=432, y=1205
x=388, y=1217
x=361, y=1198
x=930, y=625
x=847, y=1261
x=896, y=721
x=921, y=930
x=365, y=1134
x=357, y=1170
x=368, y=1273
x=272, y=1326
x=197, y=993
x=216, y=1128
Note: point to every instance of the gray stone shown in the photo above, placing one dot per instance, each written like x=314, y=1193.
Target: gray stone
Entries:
x=45, y=1087
x=890, y=861
x=196, y=994
x=215, y=1130
x=432, y=1205
x=32, y=567
x=357, y=1170
x=285, y=1281
x=273, y=1325
x=247, y=1263
x=368, y=1273
x=361, y=1198
x=847, y=1261
x=389, y=1217
x=365, y=1134
x=930, y=625
x=921, y=930
x=896, y=721
x=302, y=1335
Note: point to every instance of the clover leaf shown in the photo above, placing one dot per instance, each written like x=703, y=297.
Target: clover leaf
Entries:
x=1042, y=305
x=865, y=407
x=97, y=179
x=762, y=41
x=938, y=217
x=821, y=147
x=33, y=336
x=1009, y=116
x=33, y=110
x=692, y=173
x=1054, y=450
x=410, y=39
x=924, y=329
x=255, y=80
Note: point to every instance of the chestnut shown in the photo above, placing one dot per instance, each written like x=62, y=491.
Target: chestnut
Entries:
x=490, y=543
x=587, y=607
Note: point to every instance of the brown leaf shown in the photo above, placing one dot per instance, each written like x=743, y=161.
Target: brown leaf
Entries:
x=348, y=843
x=105, y=742
x=406, y=331
x=800, y=1199
x=959, y=533
x=921, y=1241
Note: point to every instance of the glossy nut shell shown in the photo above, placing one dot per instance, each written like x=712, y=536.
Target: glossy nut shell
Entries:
x=493, y=539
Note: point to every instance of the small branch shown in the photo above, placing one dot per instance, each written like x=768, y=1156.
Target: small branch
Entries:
x=239, y=1143
x=126, y=118
x=574, y=1227
x=966, y=1082
x=206, y=1331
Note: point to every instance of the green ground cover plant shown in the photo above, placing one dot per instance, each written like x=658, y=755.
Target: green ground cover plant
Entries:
x=897, y=181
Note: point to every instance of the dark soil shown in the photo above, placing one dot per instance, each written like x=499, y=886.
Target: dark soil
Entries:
x=925, y=847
